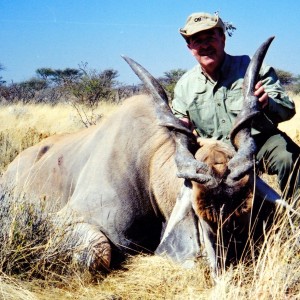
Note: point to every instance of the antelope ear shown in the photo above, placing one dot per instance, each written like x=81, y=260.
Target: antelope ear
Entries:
x=180, y=240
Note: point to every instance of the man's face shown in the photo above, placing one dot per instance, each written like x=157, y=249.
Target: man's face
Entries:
x=208, y=49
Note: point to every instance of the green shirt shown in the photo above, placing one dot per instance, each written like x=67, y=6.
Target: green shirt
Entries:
x=213, y=106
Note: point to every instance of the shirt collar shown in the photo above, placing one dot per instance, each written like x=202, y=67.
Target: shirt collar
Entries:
x=225, y=68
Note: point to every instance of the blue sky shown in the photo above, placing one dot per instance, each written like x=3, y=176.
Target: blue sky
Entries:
x=64, y=33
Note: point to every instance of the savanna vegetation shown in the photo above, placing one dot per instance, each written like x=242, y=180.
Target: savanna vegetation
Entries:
x=34, y=263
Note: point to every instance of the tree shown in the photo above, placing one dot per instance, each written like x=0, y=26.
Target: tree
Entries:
x=285, y=77
x=170, y=79
x=45, y=73
x=33, y=84
x=1, y=80
x=291, y=81
x=94, y=86
x=59, y=77
x=66, y=76
x=27, y=91
x=295, y=87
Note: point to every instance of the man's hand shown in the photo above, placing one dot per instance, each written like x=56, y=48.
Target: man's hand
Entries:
x=263, y=97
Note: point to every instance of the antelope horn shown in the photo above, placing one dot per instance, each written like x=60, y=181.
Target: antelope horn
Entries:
x=250, y=108
x=240, y=135
x=188, y=166
x=159, y=95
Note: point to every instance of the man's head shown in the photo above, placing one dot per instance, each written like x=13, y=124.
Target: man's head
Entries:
x=205, y=37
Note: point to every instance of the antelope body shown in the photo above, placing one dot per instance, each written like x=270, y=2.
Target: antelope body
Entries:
x=142, y=181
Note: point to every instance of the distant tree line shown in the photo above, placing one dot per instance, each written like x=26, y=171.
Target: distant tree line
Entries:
x=89, y=86
x=81, y=85
x=290, y=81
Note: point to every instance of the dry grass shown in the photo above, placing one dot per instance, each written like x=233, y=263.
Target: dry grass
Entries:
x=292, y=127
x=275, y=274
x=60, y=118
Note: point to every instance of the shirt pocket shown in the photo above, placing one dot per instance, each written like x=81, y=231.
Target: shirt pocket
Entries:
x=234, y=102
x=203, y=116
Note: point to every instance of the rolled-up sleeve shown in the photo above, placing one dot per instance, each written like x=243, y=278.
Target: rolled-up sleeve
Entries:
x=280, y=107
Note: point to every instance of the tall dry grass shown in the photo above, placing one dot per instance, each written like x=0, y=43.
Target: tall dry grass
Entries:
x=275, y=274
x=292, y=127
x=22, y=126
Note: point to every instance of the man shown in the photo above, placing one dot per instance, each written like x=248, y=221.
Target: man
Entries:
x=208, y=98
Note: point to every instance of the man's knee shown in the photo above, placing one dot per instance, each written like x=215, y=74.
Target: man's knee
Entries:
x=280, y=155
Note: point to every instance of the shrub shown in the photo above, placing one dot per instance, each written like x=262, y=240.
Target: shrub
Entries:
x=32, y=245
x=94, y=86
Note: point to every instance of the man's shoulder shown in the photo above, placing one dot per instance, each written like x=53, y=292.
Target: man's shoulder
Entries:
x=192, y=73
x=240, y=63
x=237, y=60
x=239, y=57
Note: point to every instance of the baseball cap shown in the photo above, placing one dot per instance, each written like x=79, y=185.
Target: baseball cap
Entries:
x=201, y=21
